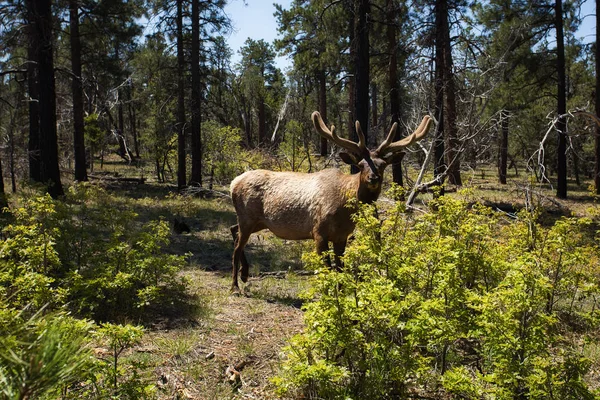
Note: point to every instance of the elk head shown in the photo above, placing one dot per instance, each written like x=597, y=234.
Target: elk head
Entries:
x=371, y=163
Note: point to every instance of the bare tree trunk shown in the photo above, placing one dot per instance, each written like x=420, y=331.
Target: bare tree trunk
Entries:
x=322, y=108
x=181, y=160
x=439, y=165
x=77, y=89
x=3, y=201
x=196, y=176
x=597, y=138
x=503, y=147
x=261, y=121
x=561, y=124
x=133, y=122
x=452, y=144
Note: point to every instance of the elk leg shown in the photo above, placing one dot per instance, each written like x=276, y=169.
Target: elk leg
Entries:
x=245, y=266
x=338, y=249
x=237, y=255
x=322, y=246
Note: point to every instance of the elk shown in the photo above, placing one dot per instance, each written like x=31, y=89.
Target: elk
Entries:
x=297, y=206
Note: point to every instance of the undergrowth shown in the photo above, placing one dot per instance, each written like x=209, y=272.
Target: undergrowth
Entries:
x=461, y=301
x=66, y=266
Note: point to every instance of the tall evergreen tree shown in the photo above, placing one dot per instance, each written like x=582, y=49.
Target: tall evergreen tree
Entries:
x=42, y=39
x=361, y=66
x=561, y=124
x=33, y=92
x=597, y=136
x=77, y=91
x=3, y=201
x=181, y=153
x=196, y=103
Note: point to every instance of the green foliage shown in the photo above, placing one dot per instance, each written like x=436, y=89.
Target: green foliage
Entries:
x=42, y=355
x=86, y=254
x=456, y=299
x=119, y=383
x=222, y=151
x=89, y=256
x=292, y=148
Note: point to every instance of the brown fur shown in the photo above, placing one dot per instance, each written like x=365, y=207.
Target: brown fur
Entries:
x=297, y=206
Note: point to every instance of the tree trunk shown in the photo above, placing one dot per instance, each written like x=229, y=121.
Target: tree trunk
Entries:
x=49, y=169
x=503, y=148
x=123, y=151
x=439, y=165
x=261, y=121
x=181, y=160
x=597, y=138
x=452, y=143
x=393, y=88
x=374, y=112
x=33, y=88
x=133, y=121
x=352, y=78
x=77, y=88
x=196, y=176
x=3, y=201
x=561, y=124
x=322, y=108
x=361, y=68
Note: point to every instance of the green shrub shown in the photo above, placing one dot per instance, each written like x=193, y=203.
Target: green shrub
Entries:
x=42, y=356
x=88, y=255
x=457, y=300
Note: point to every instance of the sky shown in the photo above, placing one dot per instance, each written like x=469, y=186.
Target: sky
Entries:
x=254, y=19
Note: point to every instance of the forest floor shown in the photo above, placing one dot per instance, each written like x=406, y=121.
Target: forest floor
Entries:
x=232, y=345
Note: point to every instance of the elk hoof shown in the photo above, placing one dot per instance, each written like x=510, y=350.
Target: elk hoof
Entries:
x=235, y=290
x=244, y=277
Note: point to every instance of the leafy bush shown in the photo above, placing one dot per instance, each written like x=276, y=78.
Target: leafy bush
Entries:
x=457, y=300
x=88, y=256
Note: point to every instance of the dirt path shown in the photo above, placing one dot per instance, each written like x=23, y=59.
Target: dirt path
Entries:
x=232, y=350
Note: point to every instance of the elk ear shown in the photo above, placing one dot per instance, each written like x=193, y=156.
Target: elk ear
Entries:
x=394, y=158
x=349, y=158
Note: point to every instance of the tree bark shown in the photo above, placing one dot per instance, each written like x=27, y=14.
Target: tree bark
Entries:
x=452, y=143
x=49, y=169
x=439, y=165
x=262, y=115
x=393, y=87
x=352, y=79
x=322, y=108
x=33, y=88
x=196, y=176
x=374, y=110
x=361, y=68
x=597, y=138
x=503, y=148
x=3, y=201
x=77, y=89
x=561, y=124
x=181, y=160
x=133, y=120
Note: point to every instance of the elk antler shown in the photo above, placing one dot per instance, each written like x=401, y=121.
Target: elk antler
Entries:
x=418, y=134
x=353, y=147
